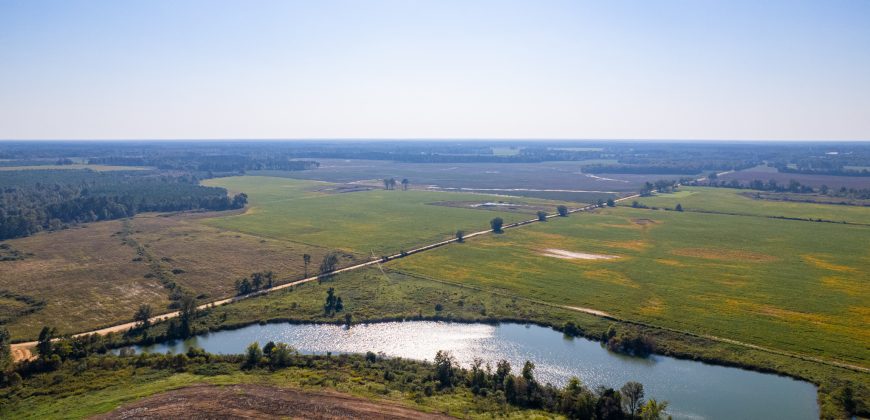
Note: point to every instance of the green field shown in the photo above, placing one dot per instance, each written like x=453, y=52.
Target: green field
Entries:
x=377, y=221
x=728, y=200
x=790, y=285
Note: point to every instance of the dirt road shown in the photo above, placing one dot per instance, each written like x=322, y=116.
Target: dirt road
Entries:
x=22, y=351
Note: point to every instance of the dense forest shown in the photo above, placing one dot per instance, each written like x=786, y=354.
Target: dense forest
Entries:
x=33, y=201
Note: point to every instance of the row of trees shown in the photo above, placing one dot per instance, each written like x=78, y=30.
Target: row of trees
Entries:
x=390, y=184
x=793, y=186
x=255, y=282
x=575, y=400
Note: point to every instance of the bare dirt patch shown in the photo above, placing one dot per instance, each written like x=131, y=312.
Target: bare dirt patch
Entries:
x=342, y=188
x=570, y=255
x=724, y=254
x=258, y=401
x=509, y=206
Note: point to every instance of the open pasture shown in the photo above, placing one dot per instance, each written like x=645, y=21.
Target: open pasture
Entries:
x=796, y=286
x=376, y=221
x=736, y=201
x=535, y=176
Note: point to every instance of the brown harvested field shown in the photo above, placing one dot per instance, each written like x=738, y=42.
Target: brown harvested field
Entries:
x=92, y=276
x=258, y=401
x=213, y=259
x=85, y=276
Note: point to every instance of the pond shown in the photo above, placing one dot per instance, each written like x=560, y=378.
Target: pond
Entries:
x=694, y=390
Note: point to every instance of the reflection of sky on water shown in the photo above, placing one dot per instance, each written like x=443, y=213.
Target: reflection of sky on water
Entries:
x=694, y=390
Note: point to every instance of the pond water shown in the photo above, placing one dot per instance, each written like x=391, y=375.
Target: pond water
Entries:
x=694, y=390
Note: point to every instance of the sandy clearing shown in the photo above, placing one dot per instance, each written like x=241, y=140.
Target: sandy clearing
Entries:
x=570, y=255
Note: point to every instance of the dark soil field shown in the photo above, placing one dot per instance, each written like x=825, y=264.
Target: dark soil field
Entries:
x=258, y=401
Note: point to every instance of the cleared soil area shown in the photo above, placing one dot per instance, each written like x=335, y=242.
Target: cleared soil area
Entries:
x=569, y=255
x=258, y=401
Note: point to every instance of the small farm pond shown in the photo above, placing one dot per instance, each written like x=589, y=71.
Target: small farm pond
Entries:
x=694, y=390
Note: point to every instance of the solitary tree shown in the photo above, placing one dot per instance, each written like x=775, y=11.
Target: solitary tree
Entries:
x=632, y=396
x=460, y=236
x=186, y=314
x=307, y=260
x=600, y=203
x=243, y=286
x=257, y=280
x=5, y=349
x=562, y=210
x=445, y=368
x=329, y=263
x=610, y=202
x=542, y=216
x=143, y=316
x=333, y=302
x=253, y=354
x=679, y=207
x=653, y=410
x=496, y=224
x=405, y=184
x=43, y=346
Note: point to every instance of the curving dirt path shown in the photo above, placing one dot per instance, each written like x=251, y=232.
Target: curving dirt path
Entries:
x=260, y=402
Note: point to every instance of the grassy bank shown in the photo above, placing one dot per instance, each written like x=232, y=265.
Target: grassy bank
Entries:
x=373, y=295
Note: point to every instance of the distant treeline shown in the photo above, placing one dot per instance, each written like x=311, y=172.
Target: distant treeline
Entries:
x=33, y=201
x=792, y=186
x=837, y=171
x=219, y=163
x=646, y=157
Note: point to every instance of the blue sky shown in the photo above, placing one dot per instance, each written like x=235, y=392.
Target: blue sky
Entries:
x=685, y=69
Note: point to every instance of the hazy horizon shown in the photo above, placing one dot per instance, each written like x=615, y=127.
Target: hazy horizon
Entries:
x=395, y=69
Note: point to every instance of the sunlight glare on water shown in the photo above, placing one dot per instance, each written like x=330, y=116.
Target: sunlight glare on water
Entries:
x=693, y=389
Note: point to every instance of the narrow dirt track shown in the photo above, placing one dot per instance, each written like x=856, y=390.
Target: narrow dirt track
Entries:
x=21, y=348
x=260, y=402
